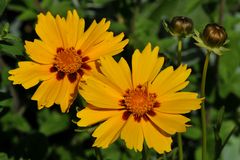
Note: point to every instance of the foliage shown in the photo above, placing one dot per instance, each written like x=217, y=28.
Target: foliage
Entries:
x=28, y=133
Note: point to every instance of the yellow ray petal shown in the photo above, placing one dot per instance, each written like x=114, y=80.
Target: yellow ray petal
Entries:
x=177, y=96
x=40, y=52
x=145, y=65
x=90, y=116
x=108, y=131
x=182, y=102
x=62, y=27
x=155, y=139
x=170, y=81
x=108, y=46
x=170, y=123
x=113, y=71
x=67, y=93
x=100, y=94
x=42, y=93
x=48, y=30
x=53, y=91
x=132, y=134
x=86, y=35
x=29, y=74
x=75, y=28
x=93, y=37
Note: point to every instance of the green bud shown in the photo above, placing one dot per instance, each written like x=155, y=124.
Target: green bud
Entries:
x=181, y=26
x=214, y=35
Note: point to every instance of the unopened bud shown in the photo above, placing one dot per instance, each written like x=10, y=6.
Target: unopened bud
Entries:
x=214, y=35
x=181, y=26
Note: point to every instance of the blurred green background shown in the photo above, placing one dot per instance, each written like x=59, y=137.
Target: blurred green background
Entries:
x=29, y=133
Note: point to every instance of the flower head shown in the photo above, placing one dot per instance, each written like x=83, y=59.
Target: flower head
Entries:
x=142, y=104
x=64, y=53
x=213, y=38
x=179, y=26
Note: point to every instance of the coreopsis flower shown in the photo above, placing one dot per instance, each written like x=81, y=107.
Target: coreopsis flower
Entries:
x=142, y=104
x=213, y=38
x=64, y=53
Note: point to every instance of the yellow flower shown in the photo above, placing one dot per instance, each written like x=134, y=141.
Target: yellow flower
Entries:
x=142, y=104
x=63, y=55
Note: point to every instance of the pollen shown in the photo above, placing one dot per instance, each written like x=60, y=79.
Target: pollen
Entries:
x=139, y=102
x=68, y=60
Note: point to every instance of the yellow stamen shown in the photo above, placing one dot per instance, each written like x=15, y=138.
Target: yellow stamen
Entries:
x=139, y=101
x=68, y=60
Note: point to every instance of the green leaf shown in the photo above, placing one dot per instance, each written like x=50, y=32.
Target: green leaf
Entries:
x=45, y=4
x=18, y=122
x=16, y=8
x=6, y=102
x=15, y=49
x=30, y=4
x=4, y=78
x=63, y=153
x=60, y=8
x=231, y=150
x=52, y=122
x=3, y=4
x=4, y=29
x=27, y=15
x=102, y=2
x=193, y=133
x=3, y=156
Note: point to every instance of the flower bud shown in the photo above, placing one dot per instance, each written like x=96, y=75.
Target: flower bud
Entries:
x=181, y=26
x=214, y=35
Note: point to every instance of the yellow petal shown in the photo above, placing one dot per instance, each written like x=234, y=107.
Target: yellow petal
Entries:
x=108, y=131
x=48, y=30
x=90, y=116
x=29, y=74
x=169, y=81
x=75, y=28
x=95, y=35
x=182, y=102
x=155, y=139
x=170, y=123
x=108, y=46
x=132, y=134
x=115, y=73
x=62, y=27
x=53, y=91
x=100, y=94
x=86, y=35
x=145, y=65
x=39, y=52
x=42, y=93
x=67, y=93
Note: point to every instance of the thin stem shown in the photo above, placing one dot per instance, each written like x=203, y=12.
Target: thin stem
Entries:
x=179, y=136
x=203, y=110
x=180, y=146
x=179, y=51
x=145, y=152
x=164, y=156
x=98, y=153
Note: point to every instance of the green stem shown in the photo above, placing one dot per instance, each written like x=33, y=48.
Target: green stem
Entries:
x=98, y=153
x=179, y=51
x=145, y=152
x=164, y=156
x=203, y=110
x=179, y=136
x=180, y=146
